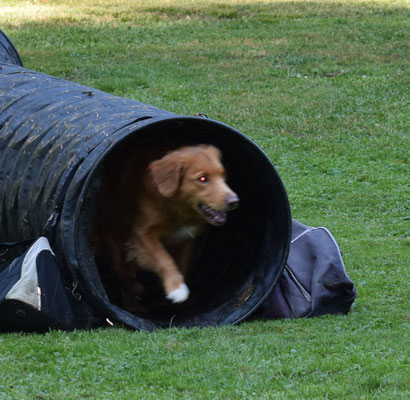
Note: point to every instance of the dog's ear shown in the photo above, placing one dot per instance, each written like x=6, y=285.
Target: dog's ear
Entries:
x=166, y=174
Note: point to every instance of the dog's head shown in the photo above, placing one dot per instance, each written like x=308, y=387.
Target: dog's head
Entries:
x=195, y=177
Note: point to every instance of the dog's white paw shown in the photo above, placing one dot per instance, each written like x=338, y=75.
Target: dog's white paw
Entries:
x=180, y=294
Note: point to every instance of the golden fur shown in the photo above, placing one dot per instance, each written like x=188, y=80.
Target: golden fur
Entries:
x=150, y=206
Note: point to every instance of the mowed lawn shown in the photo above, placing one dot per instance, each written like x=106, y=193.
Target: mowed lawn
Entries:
x=322, y=86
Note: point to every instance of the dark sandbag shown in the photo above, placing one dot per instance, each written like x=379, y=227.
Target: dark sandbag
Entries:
x=314, y=281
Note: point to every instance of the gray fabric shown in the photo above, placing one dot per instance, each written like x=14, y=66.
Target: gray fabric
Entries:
x=314, y=281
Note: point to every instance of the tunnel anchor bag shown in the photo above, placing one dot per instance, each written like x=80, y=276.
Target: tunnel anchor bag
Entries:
x=314, y=281
x=36, y=297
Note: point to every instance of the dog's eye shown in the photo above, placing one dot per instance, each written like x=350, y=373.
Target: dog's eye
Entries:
x=203, y=179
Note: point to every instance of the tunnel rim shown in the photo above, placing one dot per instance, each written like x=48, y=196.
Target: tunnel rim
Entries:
x=69, y=234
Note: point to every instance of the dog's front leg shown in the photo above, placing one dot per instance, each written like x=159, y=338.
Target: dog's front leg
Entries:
x=149, y=253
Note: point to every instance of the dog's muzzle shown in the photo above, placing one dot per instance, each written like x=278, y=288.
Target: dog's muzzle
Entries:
x=232, y=202
x=217, y=217
x=214, y=217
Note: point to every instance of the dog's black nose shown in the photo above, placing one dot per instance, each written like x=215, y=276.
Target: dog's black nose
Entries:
x=232, y=202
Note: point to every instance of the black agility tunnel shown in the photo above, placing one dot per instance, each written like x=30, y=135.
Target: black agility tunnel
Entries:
x=8, y=52
x=55, y=137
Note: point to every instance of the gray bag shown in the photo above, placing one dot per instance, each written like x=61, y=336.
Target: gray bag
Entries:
x=314, y=281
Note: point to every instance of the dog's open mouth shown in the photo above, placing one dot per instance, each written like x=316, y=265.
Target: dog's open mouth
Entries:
x=213, y=216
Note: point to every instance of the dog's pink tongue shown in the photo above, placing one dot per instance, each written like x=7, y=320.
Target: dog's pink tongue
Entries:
x=218, y=217
x=214, y=217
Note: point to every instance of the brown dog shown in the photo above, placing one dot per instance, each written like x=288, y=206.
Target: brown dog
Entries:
x=150, y=209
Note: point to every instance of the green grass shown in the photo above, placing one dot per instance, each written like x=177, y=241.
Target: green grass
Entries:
x=323, y=88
